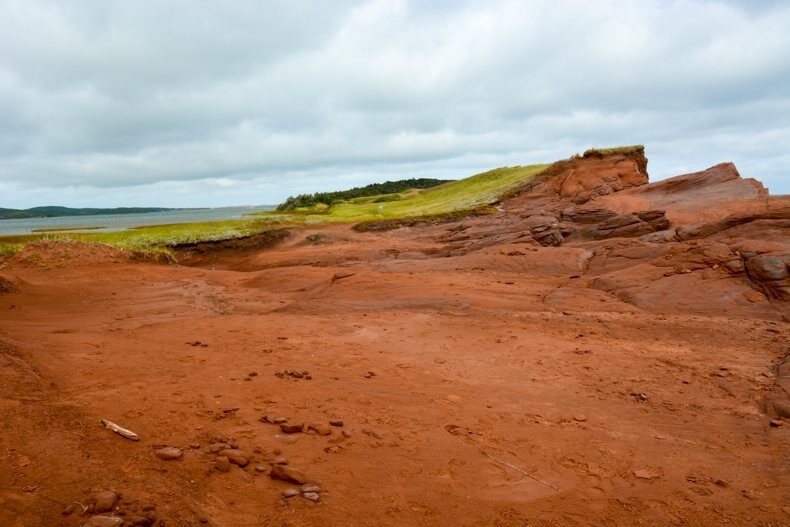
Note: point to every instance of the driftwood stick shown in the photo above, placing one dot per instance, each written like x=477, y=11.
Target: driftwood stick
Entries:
x=123, y=432
x=519, y=470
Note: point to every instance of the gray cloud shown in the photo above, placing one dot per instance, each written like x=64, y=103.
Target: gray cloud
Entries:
x=185, y=104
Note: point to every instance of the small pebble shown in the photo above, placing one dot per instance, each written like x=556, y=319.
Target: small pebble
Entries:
x=237, y=457
x=105, y=501
x=290, y=493
x=321, y=430
x=194, y=446
x=311, y=488
x=280, y=461
x=216, y=448
x=169, y=453
x=336, y=422
x=222, y=464
x=252, y=374
x=312, y=496
x=286, y=473
x=104, y=521
x=260, y=468
x=68, y=510
x=280, y=420
x=291, y=428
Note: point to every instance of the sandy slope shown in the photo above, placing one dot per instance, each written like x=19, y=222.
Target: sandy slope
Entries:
x=638, y=398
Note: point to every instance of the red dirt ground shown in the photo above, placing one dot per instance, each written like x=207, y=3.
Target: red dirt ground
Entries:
x=637, y=375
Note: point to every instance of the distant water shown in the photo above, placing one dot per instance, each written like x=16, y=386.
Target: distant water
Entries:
x=119, y=222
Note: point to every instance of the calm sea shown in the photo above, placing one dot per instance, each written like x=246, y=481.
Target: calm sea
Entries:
x=119, y=222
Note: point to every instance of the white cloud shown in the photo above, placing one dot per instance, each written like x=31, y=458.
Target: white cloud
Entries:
x=138, y=103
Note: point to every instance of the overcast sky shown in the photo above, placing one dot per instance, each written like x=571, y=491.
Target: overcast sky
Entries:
x=204, y=103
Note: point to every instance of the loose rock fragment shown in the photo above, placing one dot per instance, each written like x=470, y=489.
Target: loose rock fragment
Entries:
x=280, y=461
x=105, y=501
x=312, y=496
x=169, y=453
x=319, y=429
x=336, y=422
x=286, y=473
x=222, y=464
x=291, y=428
x=104, y=521
x=216, y=448
x=290, y=493
x=68, y=510
x=311, y=488
x=237, y=457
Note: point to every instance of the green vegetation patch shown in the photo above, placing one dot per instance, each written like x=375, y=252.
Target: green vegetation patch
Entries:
x=461, y=195
x=633, y=149
x=374, y=189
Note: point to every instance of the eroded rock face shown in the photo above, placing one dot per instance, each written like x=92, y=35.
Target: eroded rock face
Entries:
x=598, y=175
x=711, y=234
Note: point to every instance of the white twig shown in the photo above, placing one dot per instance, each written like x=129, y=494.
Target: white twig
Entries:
x=123, y=432
x=519, y=470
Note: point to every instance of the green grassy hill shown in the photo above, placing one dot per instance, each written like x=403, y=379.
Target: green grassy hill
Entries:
x=463, y=194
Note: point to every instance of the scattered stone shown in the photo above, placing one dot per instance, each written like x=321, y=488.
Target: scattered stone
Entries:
x=267, y=419
x=216, y=448
x=197, y=343
x=260, y=468
x=194, y=446
x=776, y=423
x=312, y=496
x=230, y=409
x=252, y=374
x=169, y=453
x=286, y=473
x=237, y=457
x=336, y=422
x=68, y=510
x=580, y=418
x=277, y=452
x=280, y=420
x=370, y=375
x=721, y=483
x=311, y=488
x=141, y=521
x=149, y=508
x=104, y=521
x=105, y=501
x=291, y=428
x=292, y=374
x=290, y=493
x=319, y=429
x=222, y=464
x=280, y=461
